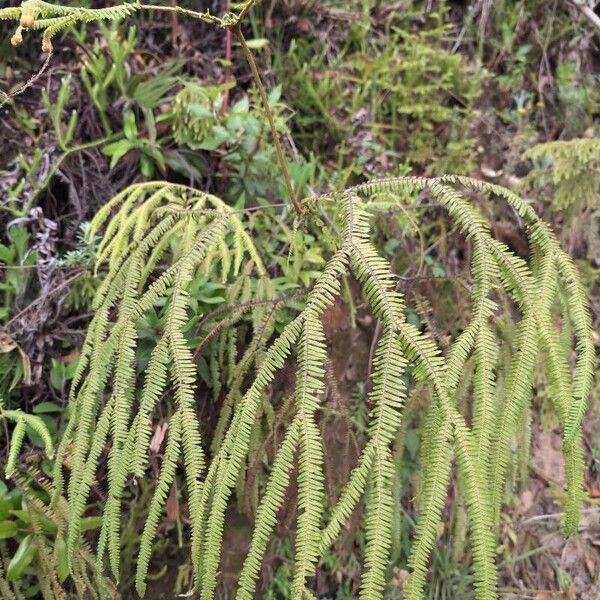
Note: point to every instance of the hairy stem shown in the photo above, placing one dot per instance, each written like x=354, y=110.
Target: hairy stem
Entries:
x=205, y=16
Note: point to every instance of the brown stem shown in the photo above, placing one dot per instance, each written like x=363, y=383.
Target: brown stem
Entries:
x=228, y=44
x=265, y=100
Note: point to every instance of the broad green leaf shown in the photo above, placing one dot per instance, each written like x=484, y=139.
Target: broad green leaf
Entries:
x=47, y=407
x=8, y=529
x=22, y=558
x=62, y=559
x=117, y=150
x=129, y=125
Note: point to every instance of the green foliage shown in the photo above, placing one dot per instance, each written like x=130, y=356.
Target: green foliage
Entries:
x=33, y=554
x=396, y=92
x=569, y=172
x=239, y=136
x=578, y=95
x=23, y=423
x=53, y=19
x=165, y=246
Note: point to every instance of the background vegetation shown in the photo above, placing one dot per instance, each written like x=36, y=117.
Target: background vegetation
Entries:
x=506, y=91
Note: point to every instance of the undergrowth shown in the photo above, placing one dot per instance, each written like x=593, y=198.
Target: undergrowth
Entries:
x=385, y=95
x=158, y=236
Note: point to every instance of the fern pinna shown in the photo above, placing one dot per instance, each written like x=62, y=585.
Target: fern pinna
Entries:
x=201, y=233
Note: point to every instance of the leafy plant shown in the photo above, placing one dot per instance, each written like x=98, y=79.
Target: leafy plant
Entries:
x=153, y=223
x=38, y=562
x=384, y=94
x=16, y=260
x=482, y=452
x=570, y=171
x=239, y=136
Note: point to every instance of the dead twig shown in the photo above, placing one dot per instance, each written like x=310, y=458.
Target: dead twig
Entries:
x=587, y=12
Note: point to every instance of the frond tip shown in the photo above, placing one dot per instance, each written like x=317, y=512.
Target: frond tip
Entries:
x=53, y=18
x=24, y=422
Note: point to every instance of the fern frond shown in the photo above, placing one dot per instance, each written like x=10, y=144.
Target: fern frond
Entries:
x=436, y=463
x=124, y=384
x=52, y=19
x=16, y=443
x=573, y=169
x=79, y=493
x=116, y=349
x=10, y=13
x=574, y=472
x=428, y=367
x=163, y=485
x=141, y=205
x=201, y=234
x=586, y=354
x=387, y=396
x=154, y=385
x=35, y=423
x=541, y=235
x=184, y=376
x=309, y=385
x=233, y=451
x=266, y=517
x=484, y=397
x=519, y=283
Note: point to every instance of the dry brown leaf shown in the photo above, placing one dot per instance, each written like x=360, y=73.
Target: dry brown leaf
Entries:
x=7, y=344
x=159, y=435
x=172, y=505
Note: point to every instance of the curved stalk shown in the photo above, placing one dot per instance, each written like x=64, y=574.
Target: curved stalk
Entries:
x=237, y=30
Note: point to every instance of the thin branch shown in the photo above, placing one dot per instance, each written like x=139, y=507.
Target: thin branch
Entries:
x=555, y=516
x=587, y=12
x=237, y=30
x=204, y=16
x=7, y=97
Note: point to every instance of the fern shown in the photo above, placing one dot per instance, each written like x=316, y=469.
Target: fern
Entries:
x=48, y=563
x=574, y=170
x=23, y=422
x=55, y=18
x=145, y=215
x=159, y=236
x=110, y=351
x=52, y=19
x=481, y=451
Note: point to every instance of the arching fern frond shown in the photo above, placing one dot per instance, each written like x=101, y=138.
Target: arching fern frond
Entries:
x=53, y=18
x=135, y=210
x=110, y=353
